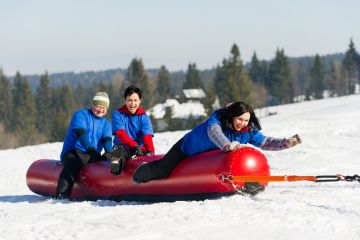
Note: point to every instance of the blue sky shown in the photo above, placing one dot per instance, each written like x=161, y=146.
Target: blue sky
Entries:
x=82, y=35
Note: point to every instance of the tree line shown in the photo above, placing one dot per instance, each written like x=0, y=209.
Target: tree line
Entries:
x=33, y=116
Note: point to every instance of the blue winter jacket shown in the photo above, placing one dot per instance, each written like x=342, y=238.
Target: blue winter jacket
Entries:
x=96, y=128
x=135, y=126
x=198, y=141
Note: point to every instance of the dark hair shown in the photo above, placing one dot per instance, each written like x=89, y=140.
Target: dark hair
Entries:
x=236, y=109
x=130, y=90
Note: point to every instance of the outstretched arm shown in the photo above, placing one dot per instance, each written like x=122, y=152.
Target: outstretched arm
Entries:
x=276, y=144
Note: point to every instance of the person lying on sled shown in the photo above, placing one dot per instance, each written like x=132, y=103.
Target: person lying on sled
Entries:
x=228, y=129
x=132, y=129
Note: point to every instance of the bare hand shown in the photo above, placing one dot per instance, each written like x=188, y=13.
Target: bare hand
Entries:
x=234, y=145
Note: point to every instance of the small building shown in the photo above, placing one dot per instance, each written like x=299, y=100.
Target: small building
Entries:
x=194, y=94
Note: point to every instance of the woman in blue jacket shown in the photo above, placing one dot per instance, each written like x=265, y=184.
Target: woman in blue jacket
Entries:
x=88, y=134
x=227, y=129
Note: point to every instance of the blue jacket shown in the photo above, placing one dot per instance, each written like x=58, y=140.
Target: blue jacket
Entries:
x=96, y=128
x=198, y=141
x=135, y=126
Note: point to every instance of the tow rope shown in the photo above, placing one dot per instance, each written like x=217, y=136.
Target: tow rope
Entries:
x=253, y=187
x=294, y=178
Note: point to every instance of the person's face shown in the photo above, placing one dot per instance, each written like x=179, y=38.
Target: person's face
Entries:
x=99, y=110
x=132, y=102
x=241, y=121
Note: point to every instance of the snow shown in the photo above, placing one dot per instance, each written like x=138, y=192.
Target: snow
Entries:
x=180, y=110
x=194, y=93
x=330, y=130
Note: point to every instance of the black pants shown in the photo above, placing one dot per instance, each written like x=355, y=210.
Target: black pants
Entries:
x=161, y=168
x=72, y=162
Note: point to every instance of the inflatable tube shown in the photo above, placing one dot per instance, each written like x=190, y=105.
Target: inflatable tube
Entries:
x=195, y=178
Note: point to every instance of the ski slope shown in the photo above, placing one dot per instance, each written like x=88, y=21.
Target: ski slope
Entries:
x=330, y=130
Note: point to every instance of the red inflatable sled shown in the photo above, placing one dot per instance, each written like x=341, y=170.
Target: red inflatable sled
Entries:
x=199, y=177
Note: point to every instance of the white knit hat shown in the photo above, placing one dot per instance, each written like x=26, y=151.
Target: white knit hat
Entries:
x=102, y=99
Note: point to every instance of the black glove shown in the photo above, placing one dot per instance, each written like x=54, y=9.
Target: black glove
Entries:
x=93, y=154
x=137, y=151
x=106, y=156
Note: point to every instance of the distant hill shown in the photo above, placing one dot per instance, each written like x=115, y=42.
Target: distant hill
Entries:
x=178, y=77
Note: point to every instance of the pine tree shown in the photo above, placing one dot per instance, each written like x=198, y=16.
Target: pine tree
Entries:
x=336, y=80
x=82, y=95
x=43, y=105
x=193, y=79
x=351, y=66
x=6, y=103
x=280, y=85
x=317, y=76
x=238, y=82
x=220, y=84
x=163, y=84
x=232, y=82
x=170, y=121
x=24, y=110
x=137, y=76
x=254, y=71
x=64, y=106
x=258, y=70
x=116, y=93
x=209, y=100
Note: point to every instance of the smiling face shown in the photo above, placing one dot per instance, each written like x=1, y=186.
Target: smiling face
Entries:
x=241, y=121
x=132, y=102
x=98, y=110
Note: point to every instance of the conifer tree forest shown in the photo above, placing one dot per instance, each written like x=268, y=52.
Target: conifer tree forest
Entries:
x=37, y=109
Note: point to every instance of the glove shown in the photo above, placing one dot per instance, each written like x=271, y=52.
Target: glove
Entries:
x=137, y=151
x=106, y=156
x=93, y=154
x=292, y=141
x=233, y=146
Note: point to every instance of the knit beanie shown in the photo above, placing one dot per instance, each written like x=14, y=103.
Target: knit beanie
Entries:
x=102, y=99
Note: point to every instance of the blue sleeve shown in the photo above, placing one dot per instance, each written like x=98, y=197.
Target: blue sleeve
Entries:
x=108, y=145
x=78, y=121
x=117, y=121
x=146, y=125
x=107, y=130
x=107, y=136
x=84, y=140
x=257, y=138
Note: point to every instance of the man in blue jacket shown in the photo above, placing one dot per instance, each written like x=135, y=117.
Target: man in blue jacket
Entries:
x=132, y=130
x=88, y=134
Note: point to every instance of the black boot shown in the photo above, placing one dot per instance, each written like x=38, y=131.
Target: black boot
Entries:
x=61, y=196
x=143, y=174
x=252, y=188
x=118, y=159
x=161, y=168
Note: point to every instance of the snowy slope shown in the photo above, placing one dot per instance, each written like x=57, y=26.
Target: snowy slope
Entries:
x=330, y=130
